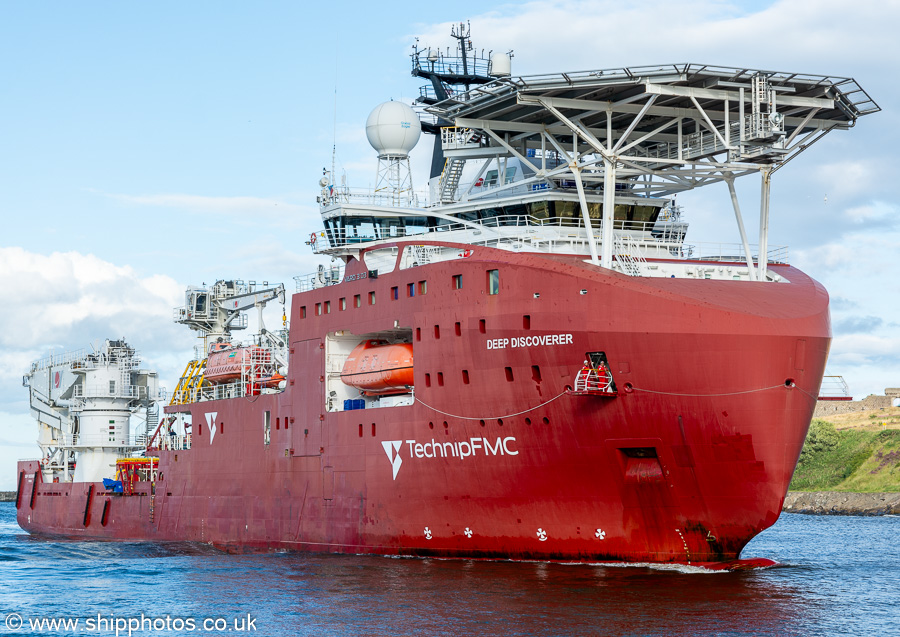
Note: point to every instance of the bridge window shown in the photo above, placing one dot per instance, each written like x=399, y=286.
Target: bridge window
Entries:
x=457, y=282
x=357, y=300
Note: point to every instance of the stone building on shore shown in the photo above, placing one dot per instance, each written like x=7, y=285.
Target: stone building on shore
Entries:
x=871, y=402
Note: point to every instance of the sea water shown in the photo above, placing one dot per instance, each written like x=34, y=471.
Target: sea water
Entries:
x=837, y=576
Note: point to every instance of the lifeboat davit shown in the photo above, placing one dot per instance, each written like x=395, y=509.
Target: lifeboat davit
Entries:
x=225, y=362
x=379, y=368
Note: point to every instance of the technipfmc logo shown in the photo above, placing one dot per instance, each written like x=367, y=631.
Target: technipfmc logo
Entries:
x=392, y=449
x=459, y=450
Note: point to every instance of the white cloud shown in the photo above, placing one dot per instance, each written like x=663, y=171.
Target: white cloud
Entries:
x=56, y=293
x=66, y=301
x=877, y=210
x=812, y=33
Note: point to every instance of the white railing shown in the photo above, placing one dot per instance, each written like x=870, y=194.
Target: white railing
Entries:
x=552, y=235
x=168, y=442
x=834, y=388
x=321, y=278
x=345, y=195
x=731, y=252
x=100, y=440
x=454, y=137
x=59, y=359
x=180, y=314
x=137, y=392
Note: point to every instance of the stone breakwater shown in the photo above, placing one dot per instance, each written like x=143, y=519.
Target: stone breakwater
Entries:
x=839, y=503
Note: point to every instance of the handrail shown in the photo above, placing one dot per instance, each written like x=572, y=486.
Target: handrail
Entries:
x=120, y=391
x=524, y=232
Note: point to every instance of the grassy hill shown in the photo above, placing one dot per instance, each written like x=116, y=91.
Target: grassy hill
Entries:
x=857, y=452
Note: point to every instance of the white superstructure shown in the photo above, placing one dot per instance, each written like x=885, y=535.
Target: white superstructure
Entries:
x=84, y=403
x=590, y=162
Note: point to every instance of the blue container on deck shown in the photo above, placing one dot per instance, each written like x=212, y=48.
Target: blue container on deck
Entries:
x=348, y=404
x=359, y=403
x=112, y=485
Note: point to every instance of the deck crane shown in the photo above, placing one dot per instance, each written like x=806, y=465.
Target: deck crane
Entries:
x=214, y=312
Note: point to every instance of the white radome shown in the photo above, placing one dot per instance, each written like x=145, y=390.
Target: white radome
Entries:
x=393, y=129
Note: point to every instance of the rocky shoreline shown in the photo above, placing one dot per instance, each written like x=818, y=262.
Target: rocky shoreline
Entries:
x=7, y=496
x=841, y=503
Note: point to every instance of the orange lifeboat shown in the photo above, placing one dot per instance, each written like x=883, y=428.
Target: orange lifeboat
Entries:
x=378, y=368
x=224, y=362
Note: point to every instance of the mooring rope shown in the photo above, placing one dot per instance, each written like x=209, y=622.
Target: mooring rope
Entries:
x=419, y=400
x=648, y=391
x=733, y=393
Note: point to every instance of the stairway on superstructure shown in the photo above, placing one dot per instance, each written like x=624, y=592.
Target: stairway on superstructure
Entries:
x=453, y=169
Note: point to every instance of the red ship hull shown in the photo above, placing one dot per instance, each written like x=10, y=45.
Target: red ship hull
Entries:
x=686, y=463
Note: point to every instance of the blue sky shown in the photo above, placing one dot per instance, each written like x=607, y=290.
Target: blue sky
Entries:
x=145, y=147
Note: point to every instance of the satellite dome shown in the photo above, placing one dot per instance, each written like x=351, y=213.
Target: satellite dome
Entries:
x=393, y=129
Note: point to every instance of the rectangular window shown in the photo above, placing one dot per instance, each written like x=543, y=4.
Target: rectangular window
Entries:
x=410, y=289
x=327, y=307
x=441, y=379
x=536, y=373
x=493, y=281
x=112, y=387
x=303, y=311
x=423, y=287
x=267, y=427
x=437, y=331
x=371, y=298
x=482, y=326
x=342, y=304
x=277, y=423
x=395, y=293
x=357, y=301
x=458, y=328
x=286, y=422
x=428, y=380
x=457, y=282
x=465, y=374
x=526, y=322
x=509, y=374
x=318, y=309
x=418, y=333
